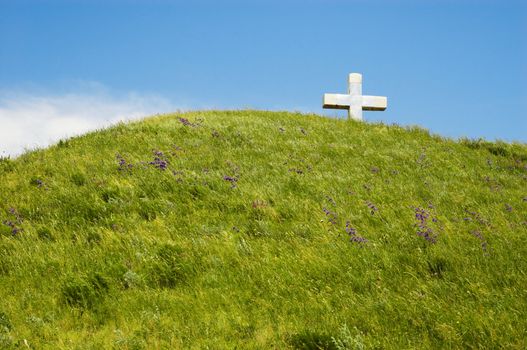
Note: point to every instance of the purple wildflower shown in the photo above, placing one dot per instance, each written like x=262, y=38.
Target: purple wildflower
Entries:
x=186, y=122
x=427, y=234
x=482, y=239
x=14, y=229
x=477, y=234
x=233, y=180
x=215, y=133
x=13, y=225
x=331, y=200
x=123, y=164
x=423, y=230
x=159, y=161
x=38, y=182
x=375, y=170
x=352, y=232
x=358, y=239
x=178, y=174
x=372, y=207
x=476, y=216
x=332, y=217
x=508, y=207
x=18, y=217
x=421, y=215
x=297, y=171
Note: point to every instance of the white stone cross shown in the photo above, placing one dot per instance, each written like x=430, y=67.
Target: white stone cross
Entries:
x=354, y=101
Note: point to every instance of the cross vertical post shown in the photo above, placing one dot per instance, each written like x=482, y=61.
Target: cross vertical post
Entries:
x=355, y=91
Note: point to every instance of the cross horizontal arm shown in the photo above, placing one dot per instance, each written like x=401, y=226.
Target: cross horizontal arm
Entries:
x=337, y=101
x=374, y=103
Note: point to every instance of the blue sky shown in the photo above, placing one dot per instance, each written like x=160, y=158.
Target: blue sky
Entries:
x=458, y=68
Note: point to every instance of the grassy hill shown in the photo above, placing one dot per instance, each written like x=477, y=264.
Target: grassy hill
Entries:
x=253, y=229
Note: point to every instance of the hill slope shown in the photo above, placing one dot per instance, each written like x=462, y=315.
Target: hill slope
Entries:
x=264, y=230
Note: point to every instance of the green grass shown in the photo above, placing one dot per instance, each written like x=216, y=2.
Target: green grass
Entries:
x=242, y=243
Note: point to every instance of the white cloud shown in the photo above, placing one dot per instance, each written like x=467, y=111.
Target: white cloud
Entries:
x=29, y=121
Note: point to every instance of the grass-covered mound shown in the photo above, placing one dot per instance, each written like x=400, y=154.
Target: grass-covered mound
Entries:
x=264, y=230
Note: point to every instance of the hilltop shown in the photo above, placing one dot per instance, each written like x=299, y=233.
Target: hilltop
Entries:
x=256, y=229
